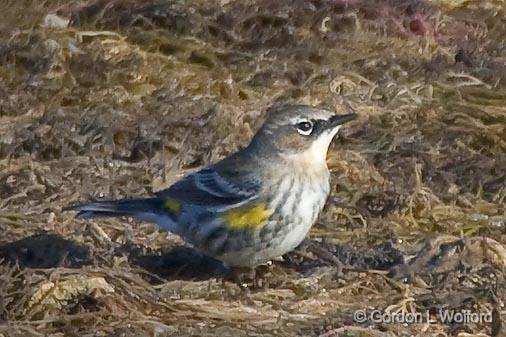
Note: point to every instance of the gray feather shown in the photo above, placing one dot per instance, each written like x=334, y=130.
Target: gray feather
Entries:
x=125, y=207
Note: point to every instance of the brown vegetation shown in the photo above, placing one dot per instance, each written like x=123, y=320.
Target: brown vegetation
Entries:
x=121, y=98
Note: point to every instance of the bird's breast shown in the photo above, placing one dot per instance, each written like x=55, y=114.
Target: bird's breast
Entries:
x=297, y=200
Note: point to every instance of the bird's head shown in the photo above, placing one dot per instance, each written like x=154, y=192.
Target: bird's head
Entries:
x=301, y=130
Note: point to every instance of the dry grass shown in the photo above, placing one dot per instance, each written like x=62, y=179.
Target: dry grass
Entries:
x=121, y=98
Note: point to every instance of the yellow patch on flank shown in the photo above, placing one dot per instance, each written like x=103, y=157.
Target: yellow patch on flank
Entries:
x=172, y=205
x=248, y=217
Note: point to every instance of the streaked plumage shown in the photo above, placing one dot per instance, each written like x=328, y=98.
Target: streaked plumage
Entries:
x=254, y=205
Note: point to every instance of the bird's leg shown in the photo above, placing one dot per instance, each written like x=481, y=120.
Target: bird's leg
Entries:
x=261, y=276
x=327, y=256
x=250, y=277
x=244, y=277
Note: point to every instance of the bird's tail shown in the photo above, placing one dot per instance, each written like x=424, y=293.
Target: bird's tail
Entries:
x=139, y=208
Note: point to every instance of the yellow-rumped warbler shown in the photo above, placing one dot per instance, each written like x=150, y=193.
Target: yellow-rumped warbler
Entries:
x=254, y=205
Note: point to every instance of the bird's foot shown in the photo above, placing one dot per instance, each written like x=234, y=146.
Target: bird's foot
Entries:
x=251, y=277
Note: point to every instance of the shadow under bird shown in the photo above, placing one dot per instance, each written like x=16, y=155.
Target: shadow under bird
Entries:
x=254, y=205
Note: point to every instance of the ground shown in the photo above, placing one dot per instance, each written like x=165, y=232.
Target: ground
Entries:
x=122, y=98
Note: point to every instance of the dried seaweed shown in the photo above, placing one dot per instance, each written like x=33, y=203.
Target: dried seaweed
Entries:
x=121, y=98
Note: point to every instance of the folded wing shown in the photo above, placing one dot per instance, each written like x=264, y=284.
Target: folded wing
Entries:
x=209, y=189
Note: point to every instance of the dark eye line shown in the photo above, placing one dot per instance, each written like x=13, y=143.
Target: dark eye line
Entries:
x=319, y=122
x=318, y=125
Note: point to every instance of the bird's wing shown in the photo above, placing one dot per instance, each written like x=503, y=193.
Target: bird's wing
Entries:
x=209, y=189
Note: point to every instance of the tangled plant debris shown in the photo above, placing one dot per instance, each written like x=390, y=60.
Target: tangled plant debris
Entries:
x=122, y=98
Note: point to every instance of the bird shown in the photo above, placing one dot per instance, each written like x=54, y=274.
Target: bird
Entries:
x=254, y=205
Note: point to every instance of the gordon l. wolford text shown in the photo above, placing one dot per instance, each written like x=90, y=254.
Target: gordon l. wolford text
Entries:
x=404, y=317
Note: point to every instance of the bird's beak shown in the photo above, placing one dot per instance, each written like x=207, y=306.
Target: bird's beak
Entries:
x=340, y=119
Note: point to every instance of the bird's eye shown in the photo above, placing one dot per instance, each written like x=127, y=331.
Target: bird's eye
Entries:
x=304, y=127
